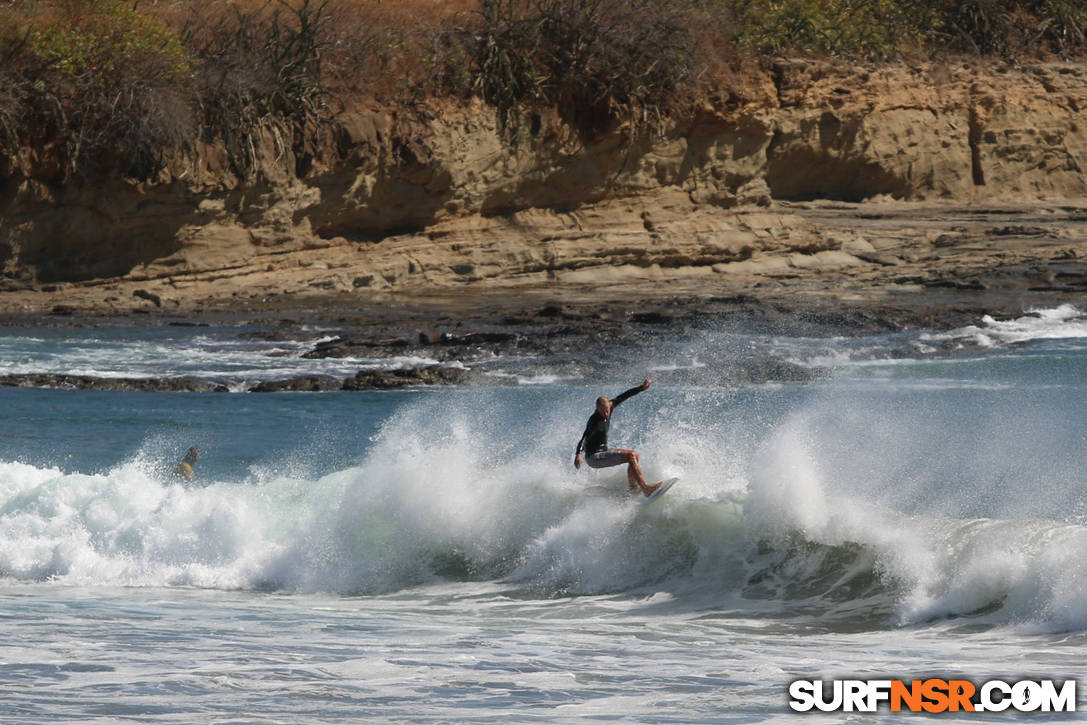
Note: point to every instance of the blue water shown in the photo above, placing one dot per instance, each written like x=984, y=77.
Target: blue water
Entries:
x=432, y=555
x=93, y=432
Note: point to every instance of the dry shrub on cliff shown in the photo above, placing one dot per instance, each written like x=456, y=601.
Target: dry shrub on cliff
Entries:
x=259, y=74
x=400, y=52
x=1012, y=28
x=99, y=85
x=884, y=28
x=839, y=27
x=14, y=36
x=597, y=61
x=1065, y=26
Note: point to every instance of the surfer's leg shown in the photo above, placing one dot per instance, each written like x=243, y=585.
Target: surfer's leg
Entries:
x=617, y=457
x=634, y=473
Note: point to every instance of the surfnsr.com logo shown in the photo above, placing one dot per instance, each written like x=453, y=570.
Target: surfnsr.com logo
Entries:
x=932, y=695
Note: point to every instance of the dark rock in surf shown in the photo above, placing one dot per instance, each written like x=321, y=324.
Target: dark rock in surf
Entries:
x=738, y=372
x=282, y=334
x=478, y=338
x=303, y=383
x=651, y=318
x=341, y=347
x=550, y=311
x=770, y=370
x=404, y=377
x=83, y=382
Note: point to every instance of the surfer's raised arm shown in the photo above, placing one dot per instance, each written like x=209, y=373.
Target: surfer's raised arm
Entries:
x=631, y=393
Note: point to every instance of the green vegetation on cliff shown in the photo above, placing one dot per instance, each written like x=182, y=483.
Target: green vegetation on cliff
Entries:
x=112, y=87
x=885, y=28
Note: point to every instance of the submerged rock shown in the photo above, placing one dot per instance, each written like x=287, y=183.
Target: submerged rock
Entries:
x=401, y=378
x=303, y=383
x=84, y=382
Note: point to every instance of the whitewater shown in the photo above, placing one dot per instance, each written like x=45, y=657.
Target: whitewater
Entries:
x=431, y=555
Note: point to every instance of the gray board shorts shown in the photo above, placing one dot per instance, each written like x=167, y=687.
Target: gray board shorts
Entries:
x=605, y=459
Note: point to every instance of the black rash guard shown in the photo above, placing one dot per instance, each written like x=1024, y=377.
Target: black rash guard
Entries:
x=595, y=437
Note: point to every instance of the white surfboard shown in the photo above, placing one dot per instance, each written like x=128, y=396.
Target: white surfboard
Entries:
x=661, y=490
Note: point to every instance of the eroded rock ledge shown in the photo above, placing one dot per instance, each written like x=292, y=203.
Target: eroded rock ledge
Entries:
x=395, y=204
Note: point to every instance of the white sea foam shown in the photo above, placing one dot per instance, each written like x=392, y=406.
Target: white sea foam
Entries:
x=222, y=357
x=539, y=379
x=694, y=364
x=1059, y=323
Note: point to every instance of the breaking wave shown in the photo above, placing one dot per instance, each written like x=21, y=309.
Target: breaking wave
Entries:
x=874, y=517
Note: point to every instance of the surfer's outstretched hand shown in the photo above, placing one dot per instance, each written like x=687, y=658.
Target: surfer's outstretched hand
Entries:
x=646, y=383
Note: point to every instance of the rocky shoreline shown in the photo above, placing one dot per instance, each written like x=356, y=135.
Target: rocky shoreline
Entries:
x=589, y=331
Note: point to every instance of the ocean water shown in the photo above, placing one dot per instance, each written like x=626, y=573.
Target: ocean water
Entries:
x=431, y=555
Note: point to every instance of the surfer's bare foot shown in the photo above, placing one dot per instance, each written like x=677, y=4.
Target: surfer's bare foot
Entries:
x=650, y=488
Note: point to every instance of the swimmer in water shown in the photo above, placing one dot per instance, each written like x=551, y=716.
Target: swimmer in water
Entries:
x=185, y=468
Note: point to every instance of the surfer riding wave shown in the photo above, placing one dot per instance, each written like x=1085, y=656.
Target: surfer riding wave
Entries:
x=594, y=441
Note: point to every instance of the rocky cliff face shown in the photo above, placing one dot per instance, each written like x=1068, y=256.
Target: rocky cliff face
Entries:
x=448, y=201
x=929, y=132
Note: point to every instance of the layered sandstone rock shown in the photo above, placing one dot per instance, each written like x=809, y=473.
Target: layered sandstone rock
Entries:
x=396, y=203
